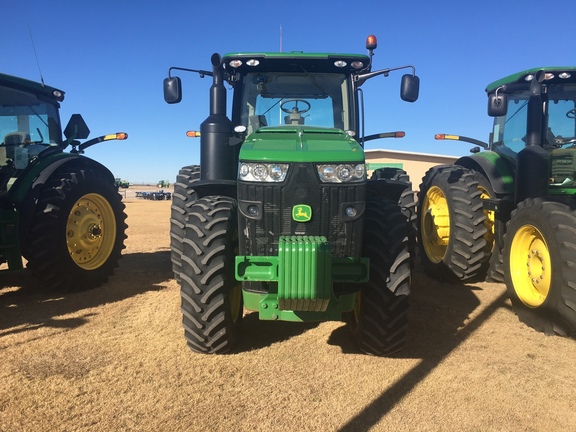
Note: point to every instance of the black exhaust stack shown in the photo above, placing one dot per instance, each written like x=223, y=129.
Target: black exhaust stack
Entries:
x=533, y=161
x=217, y=157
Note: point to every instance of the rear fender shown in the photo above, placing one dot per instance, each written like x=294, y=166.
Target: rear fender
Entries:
x=494, y=168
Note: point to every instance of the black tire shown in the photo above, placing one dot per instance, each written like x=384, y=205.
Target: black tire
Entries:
x=451, y=233
x=182, y=198
x=496, y=266
x=211, y=296
x=540, y=264
x=77, y=233
x=492, y=251
x=400, y=188
x=380, y=318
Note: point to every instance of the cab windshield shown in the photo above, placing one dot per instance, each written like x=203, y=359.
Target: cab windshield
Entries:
x=24, y=119
x=510, y=130
x=312, y=99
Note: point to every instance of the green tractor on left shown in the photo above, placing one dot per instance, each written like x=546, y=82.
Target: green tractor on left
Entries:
x=59, y=211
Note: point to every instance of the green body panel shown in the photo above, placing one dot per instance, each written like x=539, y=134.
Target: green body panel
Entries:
x=504, y=173
x=301, y=144
x=304, y=271
x=562, y=191
x=295, y=55
x=267, y=306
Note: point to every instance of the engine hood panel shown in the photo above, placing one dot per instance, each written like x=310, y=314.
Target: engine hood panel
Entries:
x=301, y=144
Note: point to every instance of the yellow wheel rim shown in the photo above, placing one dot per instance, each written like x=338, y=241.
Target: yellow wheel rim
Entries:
x=530, y=266
x=91, y=231
x=488, y=223
x=435, y=224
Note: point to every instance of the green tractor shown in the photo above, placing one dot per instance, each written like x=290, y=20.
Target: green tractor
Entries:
x=508, y=213
x=60, y=211
x=279, y=217
x=119, y=183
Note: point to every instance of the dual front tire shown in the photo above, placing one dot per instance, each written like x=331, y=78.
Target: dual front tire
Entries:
x=211, y=297
x=454, y=237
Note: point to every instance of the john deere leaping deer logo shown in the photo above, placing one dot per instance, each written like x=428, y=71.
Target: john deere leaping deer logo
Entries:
x=301, y=213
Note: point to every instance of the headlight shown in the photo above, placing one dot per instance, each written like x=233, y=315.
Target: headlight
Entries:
x=262, y=172
x=342, y=173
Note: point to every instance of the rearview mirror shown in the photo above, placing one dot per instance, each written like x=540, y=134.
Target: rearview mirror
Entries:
x=410, y=88
x=497, y=105
x=172, y=90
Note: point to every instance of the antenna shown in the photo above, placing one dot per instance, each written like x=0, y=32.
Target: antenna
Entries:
x=35, y=55
x=280, y=37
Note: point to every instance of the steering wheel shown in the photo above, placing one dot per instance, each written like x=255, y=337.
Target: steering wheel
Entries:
x=571, y=114
x=294, y=109
x=559, y=141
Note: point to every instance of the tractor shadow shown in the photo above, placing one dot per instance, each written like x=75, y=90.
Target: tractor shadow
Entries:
x=439, y=322
x=261, y=334
x=438, y=314
x=26, y=305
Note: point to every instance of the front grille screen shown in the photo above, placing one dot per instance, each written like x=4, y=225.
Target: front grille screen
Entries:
x=302, y=187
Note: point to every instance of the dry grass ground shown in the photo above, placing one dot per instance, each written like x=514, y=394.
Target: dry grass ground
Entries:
x=114, y=359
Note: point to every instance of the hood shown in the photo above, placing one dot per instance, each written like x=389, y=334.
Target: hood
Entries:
x=301, y=144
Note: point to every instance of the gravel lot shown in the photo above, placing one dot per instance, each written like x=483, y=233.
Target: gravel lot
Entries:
x=114, y=359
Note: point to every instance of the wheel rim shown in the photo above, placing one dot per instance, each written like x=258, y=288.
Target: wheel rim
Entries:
x=90, y=231
x=530, y=266
x=489, y=222
x=435, y=224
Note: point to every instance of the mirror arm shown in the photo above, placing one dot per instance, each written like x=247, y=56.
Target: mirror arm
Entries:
x=202, y=73
x=384, y=72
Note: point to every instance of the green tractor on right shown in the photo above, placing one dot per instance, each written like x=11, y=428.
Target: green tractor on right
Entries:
x=508, y=213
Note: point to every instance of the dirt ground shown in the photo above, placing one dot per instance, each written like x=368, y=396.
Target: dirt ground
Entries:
x=114, y=359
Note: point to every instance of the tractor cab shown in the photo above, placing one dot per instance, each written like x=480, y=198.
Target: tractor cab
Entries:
x=535, y=113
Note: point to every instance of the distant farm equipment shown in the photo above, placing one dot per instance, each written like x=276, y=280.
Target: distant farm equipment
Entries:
x=119, y=183
x=163, y=184
x=154, y=196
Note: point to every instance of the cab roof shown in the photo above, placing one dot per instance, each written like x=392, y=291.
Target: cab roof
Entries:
x=295, y=62
x=558, y=74
x=31, y=87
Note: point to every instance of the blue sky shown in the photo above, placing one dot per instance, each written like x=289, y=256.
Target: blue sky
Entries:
x=110, y=58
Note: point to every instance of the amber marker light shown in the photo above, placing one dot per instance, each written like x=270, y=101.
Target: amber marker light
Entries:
x=446, y=137
x=116, y=136
x=371, y=42
x=193, y=134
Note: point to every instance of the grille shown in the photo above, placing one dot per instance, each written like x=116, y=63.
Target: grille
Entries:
x=563, y=165
x=259, y=237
